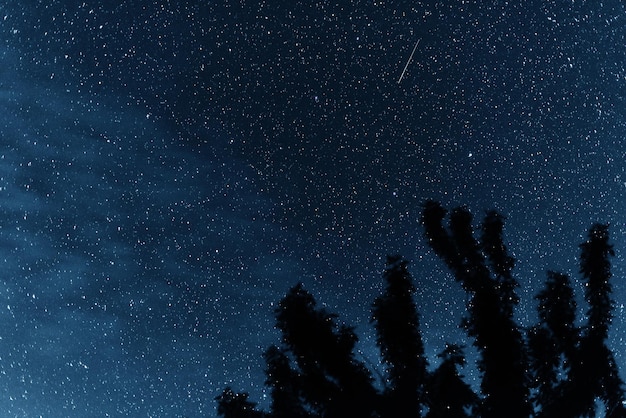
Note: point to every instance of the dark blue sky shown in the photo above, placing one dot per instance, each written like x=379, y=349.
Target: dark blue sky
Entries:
x=169, y=169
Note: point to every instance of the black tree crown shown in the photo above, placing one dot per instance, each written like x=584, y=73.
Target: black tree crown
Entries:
x=552, y=369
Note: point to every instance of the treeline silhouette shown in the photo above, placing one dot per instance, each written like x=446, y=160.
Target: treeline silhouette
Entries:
x=552, y=369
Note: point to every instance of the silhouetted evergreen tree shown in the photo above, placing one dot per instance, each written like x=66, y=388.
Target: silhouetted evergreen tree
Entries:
x=333, y=383
x=449, y=395
x=544, y=365
x=236, y=405
x=594, y=371
x=503, y=360
x=501, y=263
x=285, y=386
x=397, y=326
x=553, y=344
x=314, y=373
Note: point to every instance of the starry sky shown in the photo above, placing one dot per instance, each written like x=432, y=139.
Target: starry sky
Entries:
x=168, y=169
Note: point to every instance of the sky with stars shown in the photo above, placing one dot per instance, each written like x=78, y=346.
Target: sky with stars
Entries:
x=168, y=169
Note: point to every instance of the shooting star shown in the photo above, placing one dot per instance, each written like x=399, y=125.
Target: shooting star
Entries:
x=409, y=60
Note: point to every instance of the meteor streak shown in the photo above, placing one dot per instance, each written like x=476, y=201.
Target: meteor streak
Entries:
x=409, y=60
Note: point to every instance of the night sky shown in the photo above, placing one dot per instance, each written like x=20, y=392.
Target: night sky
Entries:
x=168, y=169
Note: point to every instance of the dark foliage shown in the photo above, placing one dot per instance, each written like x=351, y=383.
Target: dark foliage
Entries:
x=236, y=405
x=595, y=267
x=484, y=270
x=500, y=261
x=285, y=386
x=333, y=383
x=450, y=396
x=557, y=313
x=397, y=326
x=594, y=373
x=556, y=370
x=553, y=343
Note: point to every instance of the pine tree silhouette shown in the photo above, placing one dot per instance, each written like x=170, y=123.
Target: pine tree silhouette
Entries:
x=314, y=373
x=501, y=263
x=333, y=382
x=595, y=267
x=594, y=372
x=285, y=386
x=449, y=395
x=397, y=326
x=503, y=359
x=236, y=405
x=553, y=344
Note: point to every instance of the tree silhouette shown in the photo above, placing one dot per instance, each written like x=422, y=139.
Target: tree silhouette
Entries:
x=594, y=373
x=595, y=267
x=397, y=326
x=484, y=270
x=333, y=383
x=285, y=386
x=596, y=359
x=559, y=369
x=236, y=405
x=449, y=395
x=553, y=344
